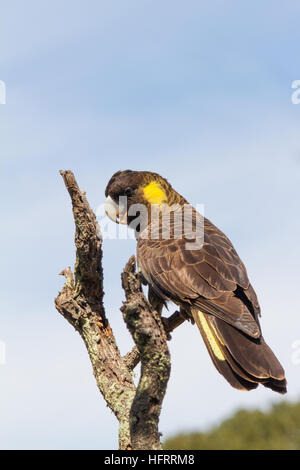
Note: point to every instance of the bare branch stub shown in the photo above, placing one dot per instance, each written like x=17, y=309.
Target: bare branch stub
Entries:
x=132, y=358
x=175, y=320
x=148, y=332
x=81, y=303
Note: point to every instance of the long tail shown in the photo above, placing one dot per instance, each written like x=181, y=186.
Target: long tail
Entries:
x=243, y=361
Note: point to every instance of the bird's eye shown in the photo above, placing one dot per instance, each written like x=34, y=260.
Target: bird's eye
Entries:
x=128, y=191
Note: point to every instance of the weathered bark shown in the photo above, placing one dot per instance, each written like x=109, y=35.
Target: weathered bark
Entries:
x=133, y=357
x=81, y=303
x=148, y=332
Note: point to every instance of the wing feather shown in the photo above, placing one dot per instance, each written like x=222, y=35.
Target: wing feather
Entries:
x=213, y=277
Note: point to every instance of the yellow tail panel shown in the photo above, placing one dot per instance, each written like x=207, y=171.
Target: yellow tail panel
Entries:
x=210, y=337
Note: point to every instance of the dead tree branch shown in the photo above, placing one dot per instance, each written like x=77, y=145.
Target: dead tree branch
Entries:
x=81, y=303
x=148, y=332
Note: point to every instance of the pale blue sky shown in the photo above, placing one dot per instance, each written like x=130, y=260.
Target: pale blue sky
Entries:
x=197, y=91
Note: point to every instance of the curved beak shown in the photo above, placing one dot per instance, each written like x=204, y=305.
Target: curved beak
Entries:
x=115, y=212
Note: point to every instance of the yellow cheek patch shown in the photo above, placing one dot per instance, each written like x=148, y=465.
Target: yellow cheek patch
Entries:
x=154, y=193
x=210, y=337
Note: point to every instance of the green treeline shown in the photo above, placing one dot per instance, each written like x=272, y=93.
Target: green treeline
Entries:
x=278, y=428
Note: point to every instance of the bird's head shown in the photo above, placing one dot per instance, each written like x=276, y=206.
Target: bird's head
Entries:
x=128, y=190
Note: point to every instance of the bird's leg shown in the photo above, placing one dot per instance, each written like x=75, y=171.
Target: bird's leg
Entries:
x=174, y=320
x=156, y=302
